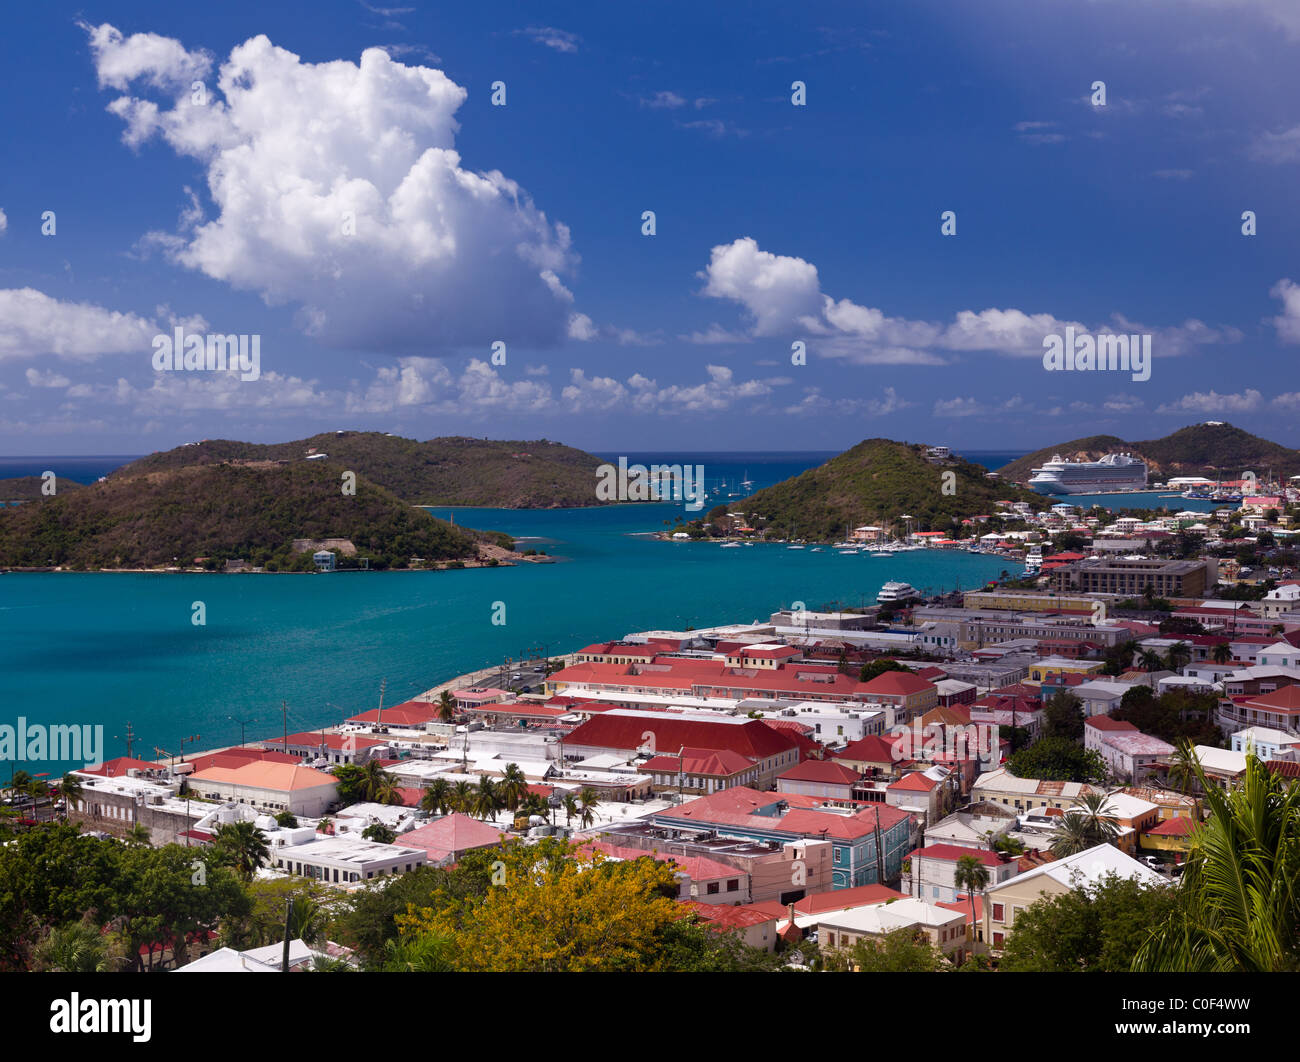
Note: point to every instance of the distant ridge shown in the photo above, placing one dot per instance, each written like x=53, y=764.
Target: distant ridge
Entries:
x=875, y=482
x=1214, y=450
x=219, y=512
x=455, y=470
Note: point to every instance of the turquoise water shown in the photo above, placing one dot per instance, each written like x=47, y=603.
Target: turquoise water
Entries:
x=108, y=648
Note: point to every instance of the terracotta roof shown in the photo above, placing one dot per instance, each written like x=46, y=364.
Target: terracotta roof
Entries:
x=1179, y=827
x=896, y=684
x=717, y=763
x=312, y=739
x=752, y=738
x=950, y=853
x=118, y=767
x=821, y=771
x=871, y=749
x=916, y=782
x=450, y=836
x=1282, y=699
x=1105, y=722
x=410, y=713
x=725, y=917
x=1284, y=768
x=260, y=774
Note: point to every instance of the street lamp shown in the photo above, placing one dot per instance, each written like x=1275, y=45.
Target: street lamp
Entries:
x=242, y=723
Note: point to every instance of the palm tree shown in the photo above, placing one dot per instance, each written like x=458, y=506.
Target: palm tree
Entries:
x=487, y=801
x=446, y=707
x=1179, y=654
x=240, y=845
x=1239, y=900
x=462, y=798
x=69, y=790
x=76, y=948
x=513, y=787
x=139, y=834
x=570, y=808
x=1184, y=766
x=1150, y=660
x=587, y=801
x=1222, y=653
x=970, y=875
x=1089, y=823
x=376, y=785
x=437, y=796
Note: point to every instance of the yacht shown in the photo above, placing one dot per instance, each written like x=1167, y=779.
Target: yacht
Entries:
x=848, y=553
x=794, y=547
x=893, y=593
x=731, y=545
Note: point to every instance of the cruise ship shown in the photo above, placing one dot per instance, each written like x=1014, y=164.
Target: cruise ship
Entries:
x=1114, y=472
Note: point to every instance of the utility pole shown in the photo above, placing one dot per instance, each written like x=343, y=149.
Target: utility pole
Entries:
x=288, y=921
x=284, y=715
x=130, y=739
x=383, y=685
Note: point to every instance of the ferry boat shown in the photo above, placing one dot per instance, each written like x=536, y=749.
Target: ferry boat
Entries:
x=897, y=594
x=1114, y=472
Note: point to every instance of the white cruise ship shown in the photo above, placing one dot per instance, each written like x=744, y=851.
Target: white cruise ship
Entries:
x=1114, y=472
x=897, y=594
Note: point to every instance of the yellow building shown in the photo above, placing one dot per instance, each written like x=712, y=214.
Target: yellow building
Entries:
x=1063, y=666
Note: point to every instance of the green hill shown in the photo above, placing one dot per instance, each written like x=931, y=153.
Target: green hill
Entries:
x=876, y=482
x=447, y=471
x=1213, y=450
x=224, y=512
x=28, y=488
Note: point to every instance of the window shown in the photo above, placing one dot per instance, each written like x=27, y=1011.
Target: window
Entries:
x=997, y=940
x=998, y=913
x=712, y=888
x=733, y=885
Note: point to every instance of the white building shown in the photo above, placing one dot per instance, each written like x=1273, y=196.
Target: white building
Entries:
x=1268, y=744
x=345, y=860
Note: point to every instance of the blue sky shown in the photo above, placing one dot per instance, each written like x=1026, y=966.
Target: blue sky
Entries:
x=775, y=223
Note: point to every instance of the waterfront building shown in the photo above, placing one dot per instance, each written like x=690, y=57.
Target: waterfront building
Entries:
x=1130, y=576
x=270, y=787
x=659, y=734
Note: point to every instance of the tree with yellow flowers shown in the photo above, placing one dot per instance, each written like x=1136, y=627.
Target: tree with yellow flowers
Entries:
x=555, y=908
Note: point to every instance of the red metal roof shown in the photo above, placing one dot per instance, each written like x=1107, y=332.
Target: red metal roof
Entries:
x=752, y=739
x=827, y=771
x=950, y=853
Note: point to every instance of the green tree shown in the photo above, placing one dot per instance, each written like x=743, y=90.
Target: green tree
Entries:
x=513, y=786
x=70, y=792
x=487, y=799
x=240, y=846
x=1239, y=900
x=379, y=833
x=1222, y=653
x=973, y=876
x=286, y=820
x=436, y=796
x=1063, y=716
x=878, y=667
x=446, y=707
x=587, y=801
x=1088, y=823
x=906, y=950
x=1095, y=927
x=1057, y=759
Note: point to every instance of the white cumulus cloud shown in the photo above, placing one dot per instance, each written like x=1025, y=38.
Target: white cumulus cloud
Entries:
x=338, y=190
